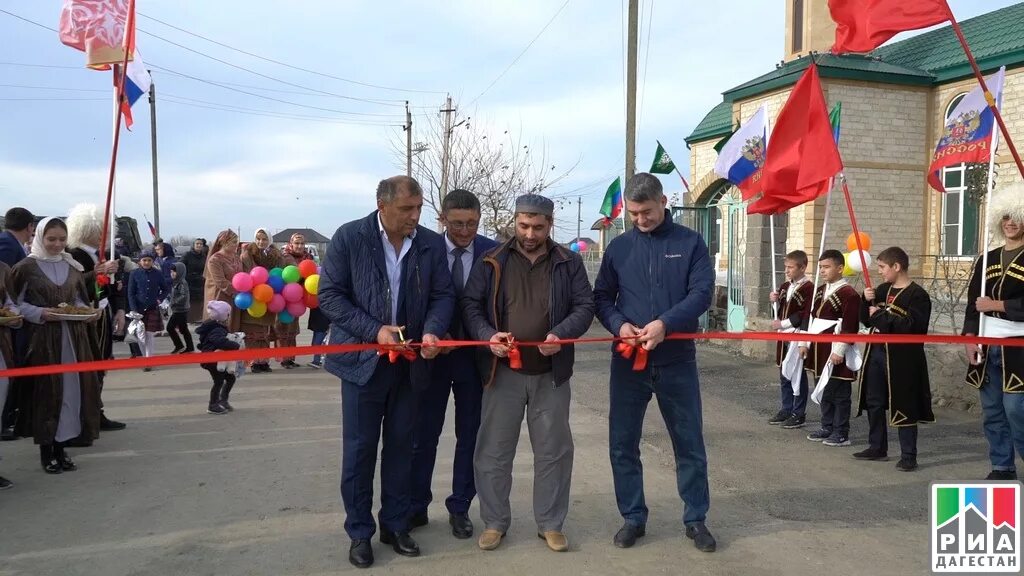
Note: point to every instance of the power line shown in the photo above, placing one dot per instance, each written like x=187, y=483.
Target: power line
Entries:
x=26, y=65
x=33, y=22
x=54, y=88
x=320, y=119
x=47, y=99
x=509, y=67
x=261, y=111
x=285, y=64
x=647, y=59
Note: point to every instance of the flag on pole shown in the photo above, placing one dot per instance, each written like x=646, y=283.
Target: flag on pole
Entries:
x=834, y=118
x=612, y=205
x=742, y=157
x=152, y=229
x=137, y=82
x=100, y=28
x=967, y=135
x=662, y=162
x=803, y=156
x=863, y=25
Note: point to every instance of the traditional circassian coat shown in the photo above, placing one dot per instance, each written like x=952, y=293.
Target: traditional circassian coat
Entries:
x=900, y=311
x=289, y=258
x=794, y=303
x=56, y=343
x=842, y=305
x=1008, y=286
x=220, y=270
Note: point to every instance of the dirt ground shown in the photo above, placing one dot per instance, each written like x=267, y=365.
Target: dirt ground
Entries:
x=256, y=491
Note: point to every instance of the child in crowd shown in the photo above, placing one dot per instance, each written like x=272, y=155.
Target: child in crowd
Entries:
x=146, y=289
x=835, y=309
x=180, y=304
x=792, y=305
x=895, y=376
x=213, y=336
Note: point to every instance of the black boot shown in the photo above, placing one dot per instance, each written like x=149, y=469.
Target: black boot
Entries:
x=215, y=406
x=66, y=464
x=229, y=383
x=48, y=460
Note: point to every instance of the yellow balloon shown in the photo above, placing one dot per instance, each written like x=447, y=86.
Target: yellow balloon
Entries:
x=313, y=283
x=847, y=269
x=257, y=310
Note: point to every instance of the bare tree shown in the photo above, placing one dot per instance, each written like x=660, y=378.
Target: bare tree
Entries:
x=496, y=167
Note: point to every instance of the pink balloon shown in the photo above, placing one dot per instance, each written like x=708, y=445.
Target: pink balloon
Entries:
x=293, y=292
x=242, y=282
x=583, y=246
x=296, y=309
x=259, y=275
x=277, y=304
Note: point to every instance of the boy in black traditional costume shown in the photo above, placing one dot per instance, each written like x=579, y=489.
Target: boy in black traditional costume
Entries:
x=895, y=376
x=793, y=304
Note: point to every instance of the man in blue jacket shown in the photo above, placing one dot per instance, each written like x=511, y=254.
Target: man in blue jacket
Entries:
x=455, y=373
x=656, y=279
x=385, y=278
x=531, y=290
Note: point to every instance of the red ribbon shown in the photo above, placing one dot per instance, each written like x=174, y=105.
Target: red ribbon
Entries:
x=515, y=360
x=628, y=350
x=394, y=354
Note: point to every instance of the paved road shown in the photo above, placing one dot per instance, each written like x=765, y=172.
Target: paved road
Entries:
x=256, y=491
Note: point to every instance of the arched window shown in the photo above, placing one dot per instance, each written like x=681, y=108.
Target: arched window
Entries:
x=960, y=213
x=798, y=26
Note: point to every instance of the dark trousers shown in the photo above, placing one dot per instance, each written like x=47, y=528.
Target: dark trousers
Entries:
x=468, y=391
x=222, y=383
x=178, y=324
x=678, y=392
x=18, y=386
x=386, y=402
x=835, y=406
x=790, y=403
x=876, y=402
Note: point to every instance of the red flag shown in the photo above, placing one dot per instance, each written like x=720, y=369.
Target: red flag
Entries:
x=802, y=156
x=103, y=29
x=863, y=25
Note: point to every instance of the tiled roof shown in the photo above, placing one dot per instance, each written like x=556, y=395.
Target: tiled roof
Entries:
x=718, y=122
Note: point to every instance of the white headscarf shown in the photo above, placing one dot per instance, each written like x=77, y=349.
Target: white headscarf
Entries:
x=39, y=252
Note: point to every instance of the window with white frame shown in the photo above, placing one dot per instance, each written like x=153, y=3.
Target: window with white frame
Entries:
x=959, y=211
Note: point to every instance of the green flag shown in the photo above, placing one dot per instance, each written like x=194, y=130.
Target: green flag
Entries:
x=612, y=205
x=834, y=118
x=662, y=162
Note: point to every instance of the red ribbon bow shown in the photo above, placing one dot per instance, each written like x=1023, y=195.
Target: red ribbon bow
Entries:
x=102, y=279
x=394, y=354
x=628, y=350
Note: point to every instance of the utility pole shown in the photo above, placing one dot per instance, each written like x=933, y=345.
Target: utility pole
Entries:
x=152, y=136
x=579, y=216
x=447, y=145
x=408, y=140
x=631, y=50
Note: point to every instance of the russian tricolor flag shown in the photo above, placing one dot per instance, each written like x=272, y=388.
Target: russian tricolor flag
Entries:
x=136, y=84
x=742, y=157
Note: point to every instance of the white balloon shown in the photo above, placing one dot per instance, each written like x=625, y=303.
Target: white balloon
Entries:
x=855, y=260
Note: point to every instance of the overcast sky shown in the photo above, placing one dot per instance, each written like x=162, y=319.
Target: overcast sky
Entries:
x=221, y=168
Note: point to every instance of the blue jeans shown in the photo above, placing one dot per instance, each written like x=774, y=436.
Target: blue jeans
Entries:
x=1003, y=415
x=318, y=339
x=794, y=404
x=678, y=394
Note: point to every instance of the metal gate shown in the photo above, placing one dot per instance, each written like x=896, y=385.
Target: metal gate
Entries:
x=698, y=218
x=736, y=314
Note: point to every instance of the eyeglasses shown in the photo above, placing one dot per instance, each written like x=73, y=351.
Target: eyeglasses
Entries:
x=471, y=225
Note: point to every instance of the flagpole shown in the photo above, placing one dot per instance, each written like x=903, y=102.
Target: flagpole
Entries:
x=113, y=187
x=987, y=227
x=821, y=245
x=856, y=232
x=771, y=218
x=989, y=98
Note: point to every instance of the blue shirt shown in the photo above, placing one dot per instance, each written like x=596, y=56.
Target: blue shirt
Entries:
x=393, y=261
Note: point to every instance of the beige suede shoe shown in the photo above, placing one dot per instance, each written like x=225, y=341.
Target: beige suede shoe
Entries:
x=490, y=539
x=556, y=540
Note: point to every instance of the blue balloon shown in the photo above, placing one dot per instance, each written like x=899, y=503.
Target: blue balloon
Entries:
x=575, y=247
x=243, y=300
x=285, y=318
x=277, y=283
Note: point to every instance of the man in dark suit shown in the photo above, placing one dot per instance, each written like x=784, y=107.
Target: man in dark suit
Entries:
x=455, y=372
x=385, y=279
x=19, y=227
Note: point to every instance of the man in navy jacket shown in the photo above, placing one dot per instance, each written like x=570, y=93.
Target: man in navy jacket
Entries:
x=656, y=279
x=19, y=227
x=455, y=373
x=384, y=277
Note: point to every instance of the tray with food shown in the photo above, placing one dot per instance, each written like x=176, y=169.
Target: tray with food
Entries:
x=74, y=313
x=8, y=317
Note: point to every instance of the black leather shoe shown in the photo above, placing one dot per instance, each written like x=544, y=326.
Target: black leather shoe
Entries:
x=462, y=526
x=108, y=425
x=627, y=535
x=79, y=442
x=1002, y=475
x=361, y=554
x=7, y=434
x=401, y=542
x=418, y=520
x=701, y=537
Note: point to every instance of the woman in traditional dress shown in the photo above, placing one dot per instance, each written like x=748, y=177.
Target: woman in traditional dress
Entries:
x=259, y=332
x=292, y=254
x=60, y=407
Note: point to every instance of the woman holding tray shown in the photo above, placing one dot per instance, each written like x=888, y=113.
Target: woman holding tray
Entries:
x=60, y=407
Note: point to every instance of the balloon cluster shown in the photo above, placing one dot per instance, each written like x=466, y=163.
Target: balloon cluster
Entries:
x=853, y=264
x=580, y=246
x=287, y=291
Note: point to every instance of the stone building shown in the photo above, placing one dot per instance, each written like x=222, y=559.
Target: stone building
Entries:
x=894, y=102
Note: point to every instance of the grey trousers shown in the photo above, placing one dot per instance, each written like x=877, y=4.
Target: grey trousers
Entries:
x=547, y=418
